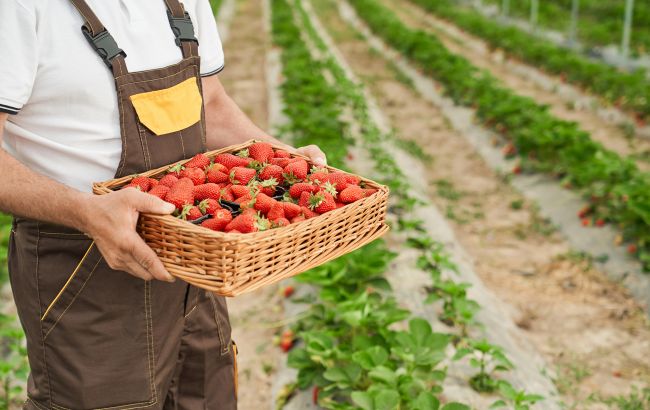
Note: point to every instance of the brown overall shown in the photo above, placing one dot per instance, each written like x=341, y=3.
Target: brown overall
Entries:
x=102, y=339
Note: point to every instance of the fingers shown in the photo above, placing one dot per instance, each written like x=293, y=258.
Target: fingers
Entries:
x=315, y=154
x=148, y=261
x=148, y=203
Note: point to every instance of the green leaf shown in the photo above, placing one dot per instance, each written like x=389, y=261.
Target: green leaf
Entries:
x=387, y=400
x=455, y=406
x=425, y=401
x=370, y=358
x=363, y=399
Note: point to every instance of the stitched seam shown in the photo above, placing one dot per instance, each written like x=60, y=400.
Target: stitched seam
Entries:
x=74, y=298
x=182, y=143
x=123, y=132
x=67, y=282
x=150, y=346
x=224, y=349
x=40, y=313
x=95, y=31
x=35, y=403
x=63, y=233
x=142, y=137
x=192, y=67
x=180, y=63
x=196, y=303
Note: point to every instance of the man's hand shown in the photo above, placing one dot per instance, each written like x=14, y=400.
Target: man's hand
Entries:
x=111, y=220
x=314, y=154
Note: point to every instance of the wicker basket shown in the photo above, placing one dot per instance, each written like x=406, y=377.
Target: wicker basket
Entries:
x=230, y=264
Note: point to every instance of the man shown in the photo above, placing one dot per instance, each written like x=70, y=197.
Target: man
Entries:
x=125, y=93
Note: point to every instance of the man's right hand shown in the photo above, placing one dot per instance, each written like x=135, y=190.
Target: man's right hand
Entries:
x=111, y=221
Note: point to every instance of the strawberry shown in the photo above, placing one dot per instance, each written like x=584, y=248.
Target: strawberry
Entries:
x=175, y=170
x=243, y=223
x=291, y=210
x=216, y=176
x=231, y=161
x=264, y=203
x=154, y=183
x=160, y=191
x=352, y=179
x=631, y=249
x=296, y=170
x=272, y=172
x=600, y=222
x=319, y=177
x=586, y=222
x=281, y=162
x=181, y=193
x=308, y=213
x=304, y=199
x=340, y=205
x=267, y=186
x=240, y=190
x=143, y=183
x=352, y=193
x=282, y=154
x=241, y=175
x=198, y=161
x=168, y=180
x=280, y=222
x=369, y=191
x=276, y=211
x=297, y=219
x=261, y=151
x=190, y=213
x=226, y=193
x=209, y=190
x=314, y=395
x=219, y=221
x=322, y=202
x=338, y=180
x=297, y=189
x=197, y=175
x=245, y=201
x=286, y=345
x=288, y=291
x=209, y=206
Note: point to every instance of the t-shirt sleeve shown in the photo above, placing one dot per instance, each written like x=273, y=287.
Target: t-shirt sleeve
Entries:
x=210, y=48
x=18, y=54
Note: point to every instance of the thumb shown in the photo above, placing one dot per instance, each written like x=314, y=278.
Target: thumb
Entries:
x=152, y=204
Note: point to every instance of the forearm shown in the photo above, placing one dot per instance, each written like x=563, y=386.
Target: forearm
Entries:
x=26, y=193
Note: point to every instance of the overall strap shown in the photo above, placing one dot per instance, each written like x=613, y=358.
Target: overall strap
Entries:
x=100, y=39
x=183, y=29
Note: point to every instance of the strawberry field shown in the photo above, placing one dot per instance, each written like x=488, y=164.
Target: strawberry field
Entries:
x=515, y=274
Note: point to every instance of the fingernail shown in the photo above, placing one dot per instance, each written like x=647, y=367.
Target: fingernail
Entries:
x=172, y=279
x=320, y=161
x=169, y=208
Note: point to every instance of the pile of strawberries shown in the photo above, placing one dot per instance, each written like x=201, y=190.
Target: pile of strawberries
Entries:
x=256, y=189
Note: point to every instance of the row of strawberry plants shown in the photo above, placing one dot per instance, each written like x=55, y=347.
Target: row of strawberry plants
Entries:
x=600, y=22
x=628, y=90
x=617, y=190
x=338, y=360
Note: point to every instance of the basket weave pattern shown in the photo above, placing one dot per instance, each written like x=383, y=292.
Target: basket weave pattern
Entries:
x=230, y=264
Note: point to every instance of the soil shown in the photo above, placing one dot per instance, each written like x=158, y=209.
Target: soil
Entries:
x=590, y=329
x=252, y=315
x=610, y=135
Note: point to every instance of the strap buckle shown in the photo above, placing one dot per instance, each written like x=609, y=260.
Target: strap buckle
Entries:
x=182, y=27
x=104, y=44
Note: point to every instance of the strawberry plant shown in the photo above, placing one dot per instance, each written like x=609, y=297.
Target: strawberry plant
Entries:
x=488, y=359
x=513, y=398
x=14, y=367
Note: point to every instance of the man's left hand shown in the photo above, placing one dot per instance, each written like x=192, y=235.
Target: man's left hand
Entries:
x=314, y=153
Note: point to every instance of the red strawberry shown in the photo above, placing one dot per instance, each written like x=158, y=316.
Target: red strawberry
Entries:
x=272, y=171
x=297, y=189
x=231, y=161
x=143, y=183
x=281, y=162
x=245, y=201
x=267, y=186
x=240, y=190
x=631, y=249
x=217, y=176
x=288, y=291
x=209, y=206
x=297, y=219
x=160, y=191
x=198, y=161
x=340, y=205
x=168, y=180
x=286, y=345
x=219, y=221
x=308, y=213
x=586, y=222
x=319, y=177
x=205, y=191
x=352, y=179
x=304, y=199
x=291, y=210
x=338, y=180
x=190, y=213
x=600, y=222
x=181, y=193
x=322, y=202
x=314, y=395
x=261, y=151
x=197, y=175
x=296, y=170
x=370, y=191
x=282, y=154
x=352, y=193
x=226, y=193
x=264, y=203
x=154, y=183
x=175, y=170
x=280, y=222
x=276, y=211
x=243, y=223
x=241, y=175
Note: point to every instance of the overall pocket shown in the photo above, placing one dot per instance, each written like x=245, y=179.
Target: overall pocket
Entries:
x=96, y=327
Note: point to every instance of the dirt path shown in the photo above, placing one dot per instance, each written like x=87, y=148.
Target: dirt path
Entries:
x=478, y=53
x=591, y=330
x=252, y=314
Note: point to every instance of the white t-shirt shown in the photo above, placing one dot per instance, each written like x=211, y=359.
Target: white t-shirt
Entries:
x=66, y=122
